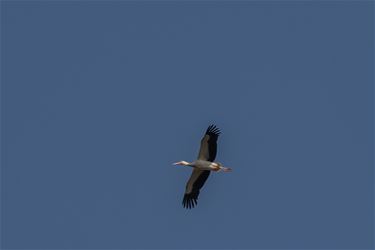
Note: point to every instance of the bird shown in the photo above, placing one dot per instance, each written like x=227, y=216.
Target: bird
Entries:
x=202, y=167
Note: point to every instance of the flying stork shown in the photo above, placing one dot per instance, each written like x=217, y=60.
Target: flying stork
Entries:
x=202, y=166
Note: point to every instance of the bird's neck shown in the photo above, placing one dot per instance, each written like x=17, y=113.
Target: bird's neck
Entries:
x=185, y=163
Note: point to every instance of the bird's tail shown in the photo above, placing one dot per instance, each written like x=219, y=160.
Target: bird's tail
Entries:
x=226, y=169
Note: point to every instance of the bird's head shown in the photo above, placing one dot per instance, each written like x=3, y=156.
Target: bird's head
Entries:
x=182, y=163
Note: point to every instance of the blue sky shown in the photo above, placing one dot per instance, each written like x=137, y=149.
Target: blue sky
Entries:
x=99, y=98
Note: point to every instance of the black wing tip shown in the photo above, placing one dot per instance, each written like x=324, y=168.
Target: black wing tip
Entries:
x=213, y=130
x=189, y=202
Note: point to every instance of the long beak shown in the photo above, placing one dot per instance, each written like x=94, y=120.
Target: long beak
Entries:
x=176, y=163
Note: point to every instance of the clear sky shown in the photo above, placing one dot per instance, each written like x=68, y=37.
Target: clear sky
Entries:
x=99, y=98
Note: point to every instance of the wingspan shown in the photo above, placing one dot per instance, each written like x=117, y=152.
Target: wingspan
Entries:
x=193, y=186
x=208, y=148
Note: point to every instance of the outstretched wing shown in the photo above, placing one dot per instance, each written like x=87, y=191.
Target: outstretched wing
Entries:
x=195, y=183
x=208, y=148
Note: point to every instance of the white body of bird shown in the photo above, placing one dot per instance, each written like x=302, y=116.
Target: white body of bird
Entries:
x=204, y=165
